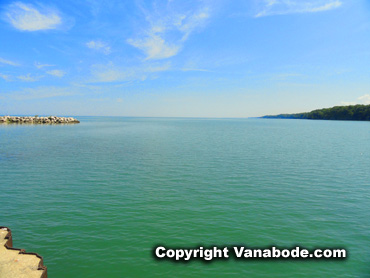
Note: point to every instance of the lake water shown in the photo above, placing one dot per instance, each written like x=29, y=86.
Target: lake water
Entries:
x=94, y=198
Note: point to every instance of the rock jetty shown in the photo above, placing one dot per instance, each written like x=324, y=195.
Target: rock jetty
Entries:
x=37, y=120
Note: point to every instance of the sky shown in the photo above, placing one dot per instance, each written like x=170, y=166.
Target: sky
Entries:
x=172, y=58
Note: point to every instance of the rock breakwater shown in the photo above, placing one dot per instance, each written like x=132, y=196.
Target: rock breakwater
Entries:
x=37, y=120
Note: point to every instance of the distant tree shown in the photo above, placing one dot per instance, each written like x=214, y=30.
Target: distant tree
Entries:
x=344, y=113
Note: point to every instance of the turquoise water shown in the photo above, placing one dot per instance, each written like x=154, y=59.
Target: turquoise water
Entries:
x=96, y=197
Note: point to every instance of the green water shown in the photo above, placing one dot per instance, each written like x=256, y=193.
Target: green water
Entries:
x=96, y=197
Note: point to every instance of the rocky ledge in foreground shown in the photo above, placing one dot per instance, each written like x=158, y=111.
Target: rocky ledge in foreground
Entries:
x=38, y=120
x=16, y=262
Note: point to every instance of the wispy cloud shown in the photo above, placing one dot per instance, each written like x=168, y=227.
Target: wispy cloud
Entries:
x=26, y=17
x=6, y=77
x=167, y=30
x=57, y=73
x=99, y=46
x=286, y=76
x=110, y=73
x=193, y=69
x=113, y=73
x=348, y=103
x=29, y=78
x=281, y=7
x=365, y=99
x=7, y=62
x=41, y=92
x=155, y=47
x=24, y=78
x=40, y=66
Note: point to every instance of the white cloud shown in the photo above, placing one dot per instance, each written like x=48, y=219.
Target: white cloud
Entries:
x=281, y=7
x=271, y=2
x=167, y=31
x=26, y=17
x=99, y=46
x=157, y=67
x=113, y=73
x=348, y=103
x=286, y=76
x=110, y=74
x=190, y=23
x=193, y=69
x=5, y=77
x=365, y=99
x=7, y=62
x=155, y=47
x=57, y=73
x=326, y=7
x=29, y=78
x=41, y=92
x=40, y=66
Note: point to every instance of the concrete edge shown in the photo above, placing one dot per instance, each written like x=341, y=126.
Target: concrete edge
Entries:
x=9, y=245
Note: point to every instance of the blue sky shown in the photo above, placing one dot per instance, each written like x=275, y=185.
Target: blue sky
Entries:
x=216, y=58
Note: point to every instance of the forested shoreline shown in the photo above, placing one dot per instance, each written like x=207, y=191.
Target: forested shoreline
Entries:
x=341, y=113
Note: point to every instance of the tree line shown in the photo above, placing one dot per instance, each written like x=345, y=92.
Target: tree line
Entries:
x=342, y=113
